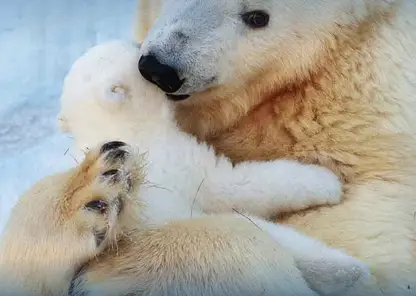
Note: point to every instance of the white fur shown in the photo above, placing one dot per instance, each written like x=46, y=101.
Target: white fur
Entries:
x=296, y=266
x=377, y=221
x=105, y=98
x=221, y=50
x=328, y=270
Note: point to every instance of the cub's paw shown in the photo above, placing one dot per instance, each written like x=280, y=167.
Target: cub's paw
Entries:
x=116, y=168
x=105, y=188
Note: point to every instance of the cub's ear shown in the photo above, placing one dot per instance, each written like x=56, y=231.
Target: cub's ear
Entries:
x=117, y=92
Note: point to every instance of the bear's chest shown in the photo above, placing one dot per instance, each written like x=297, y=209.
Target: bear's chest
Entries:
x=297, y=129
x=287, y=128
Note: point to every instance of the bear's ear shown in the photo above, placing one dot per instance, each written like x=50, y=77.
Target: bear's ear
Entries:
x=115, y=93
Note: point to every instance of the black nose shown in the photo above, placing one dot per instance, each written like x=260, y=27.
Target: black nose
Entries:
x=164, y=76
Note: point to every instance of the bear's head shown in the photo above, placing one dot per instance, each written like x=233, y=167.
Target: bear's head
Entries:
x=198, y=45
x=104, y=97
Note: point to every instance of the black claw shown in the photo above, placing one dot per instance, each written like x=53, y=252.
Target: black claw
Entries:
x=111, y=146
x=98, y=206
x=77, y=282
x=99, y=237
x=129, y=184
x=115, y=155
x=119, y=204
x=113, y=175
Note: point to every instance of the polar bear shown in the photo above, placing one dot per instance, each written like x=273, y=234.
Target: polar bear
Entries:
x=80, y=233
x=105, y=98
x=323, y=81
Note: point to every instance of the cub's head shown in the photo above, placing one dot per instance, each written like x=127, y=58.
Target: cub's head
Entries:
x=197, y=45
x=67, y=219
x=104, y=97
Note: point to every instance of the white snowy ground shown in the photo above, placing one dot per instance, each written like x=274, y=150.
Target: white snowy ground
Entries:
x=39, y=40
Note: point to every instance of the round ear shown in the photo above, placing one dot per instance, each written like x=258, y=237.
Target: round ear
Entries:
x=116, y=92
x=105, y=72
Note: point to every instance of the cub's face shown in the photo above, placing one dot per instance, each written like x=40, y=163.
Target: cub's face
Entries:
x=66, y=219
x=196, y=45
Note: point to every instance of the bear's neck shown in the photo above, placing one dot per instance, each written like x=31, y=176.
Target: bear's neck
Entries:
x=331, y=116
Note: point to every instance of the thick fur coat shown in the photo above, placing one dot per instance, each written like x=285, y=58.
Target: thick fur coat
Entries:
x=328, y=82
x=105, y=98
x=101, y=229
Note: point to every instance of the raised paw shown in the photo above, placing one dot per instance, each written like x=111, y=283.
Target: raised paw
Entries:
x=70, y=217
x=105, y=187
x=115, y=166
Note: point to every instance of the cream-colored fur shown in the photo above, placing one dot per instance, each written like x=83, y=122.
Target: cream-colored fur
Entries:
x=329, y=82
x=82, y=232
x=104, y=97
x=147, y=12
x=55, y=228
x=216, y=256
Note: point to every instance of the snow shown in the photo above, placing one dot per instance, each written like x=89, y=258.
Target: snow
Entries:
x=39, y=40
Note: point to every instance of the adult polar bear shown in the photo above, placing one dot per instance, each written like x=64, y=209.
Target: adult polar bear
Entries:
x=323, y=81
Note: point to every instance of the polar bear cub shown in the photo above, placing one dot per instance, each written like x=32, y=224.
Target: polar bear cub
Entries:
x=105, y=98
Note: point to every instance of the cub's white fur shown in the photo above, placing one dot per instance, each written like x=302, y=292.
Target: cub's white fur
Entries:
x=105, y=98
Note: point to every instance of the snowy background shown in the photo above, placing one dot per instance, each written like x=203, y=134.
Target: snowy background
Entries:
x=39, y=40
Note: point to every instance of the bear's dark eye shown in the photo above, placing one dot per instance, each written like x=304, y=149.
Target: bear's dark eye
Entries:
x=256, y=19
x=98, y=206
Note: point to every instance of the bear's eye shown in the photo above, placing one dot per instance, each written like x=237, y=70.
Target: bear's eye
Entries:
x=98, y=206
x=256, y=19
